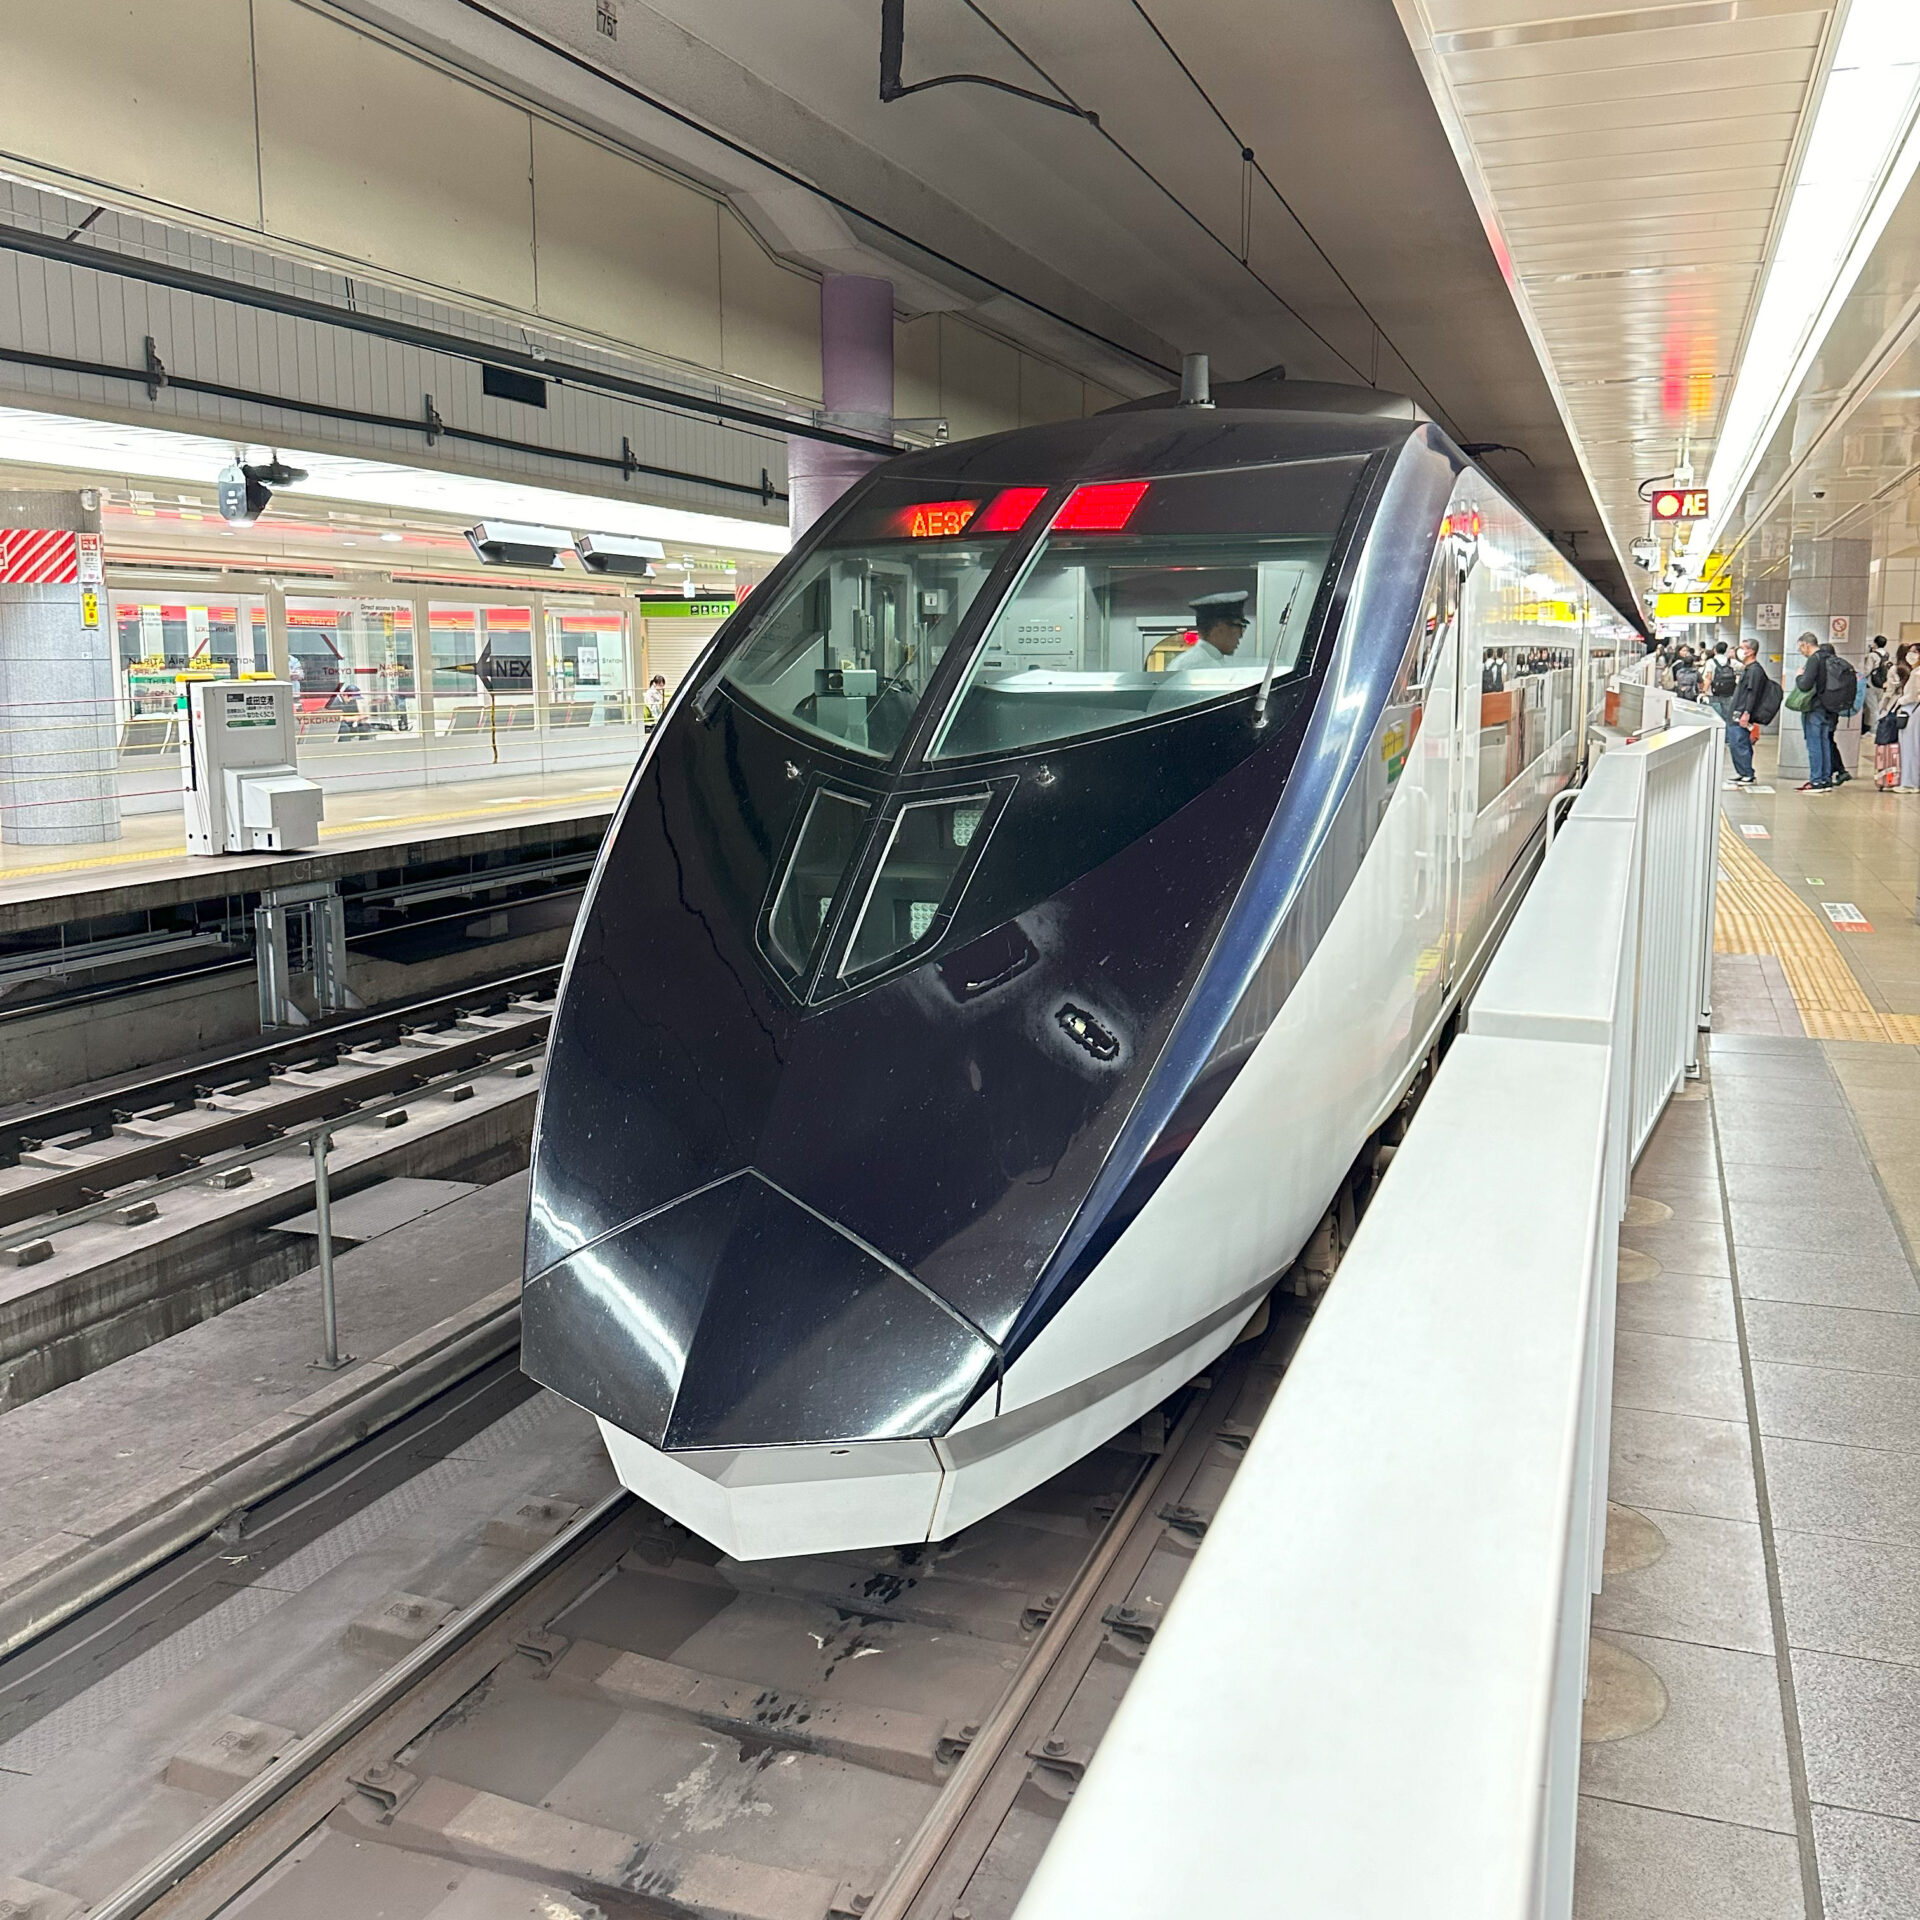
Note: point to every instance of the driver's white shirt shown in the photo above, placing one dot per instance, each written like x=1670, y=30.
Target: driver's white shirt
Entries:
x=1203, y=653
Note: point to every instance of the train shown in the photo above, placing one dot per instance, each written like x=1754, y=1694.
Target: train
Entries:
x=1046, y=884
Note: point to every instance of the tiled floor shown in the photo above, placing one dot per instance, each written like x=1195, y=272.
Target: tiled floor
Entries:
x=1767, y=1411
x=1764, y=1557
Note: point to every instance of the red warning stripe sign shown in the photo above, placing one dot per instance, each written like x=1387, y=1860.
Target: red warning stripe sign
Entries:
x=39, y=557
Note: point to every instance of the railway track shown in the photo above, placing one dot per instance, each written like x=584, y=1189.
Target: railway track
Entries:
x=78, y=1153
x=632, y=1724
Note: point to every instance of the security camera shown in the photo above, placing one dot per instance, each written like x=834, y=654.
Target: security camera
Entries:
x=1646, y=554
x=245, y=491
x=504, y=543
x=615, y=553
x=1819, y=493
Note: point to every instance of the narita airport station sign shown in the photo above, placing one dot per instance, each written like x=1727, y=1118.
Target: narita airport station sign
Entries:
x=1693, y=606
x=1679, y=503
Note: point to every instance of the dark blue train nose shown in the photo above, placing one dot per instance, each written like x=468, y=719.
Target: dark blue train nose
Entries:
x=736, y=1316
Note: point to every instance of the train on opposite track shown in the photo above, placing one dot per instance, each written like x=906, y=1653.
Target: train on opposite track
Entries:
x=1027, y=910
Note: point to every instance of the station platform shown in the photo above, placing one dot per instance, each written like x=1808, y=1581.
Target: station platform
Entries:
x=149, y=864
x=1753, y=1720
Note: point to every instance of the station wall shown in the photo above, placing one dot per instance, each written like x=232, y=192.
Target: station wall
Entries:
x=292, y=123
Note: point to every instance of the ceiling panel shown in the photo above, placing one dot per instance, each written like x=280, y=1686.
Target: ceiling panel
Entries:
x=1632, y=164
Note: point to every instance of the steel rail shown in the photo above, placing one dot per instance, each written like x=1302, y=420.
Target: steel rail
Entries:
x=184, y=1083
x=229, y=1821
x=281, y=1137
x=88, y=1187
x=923, y=1852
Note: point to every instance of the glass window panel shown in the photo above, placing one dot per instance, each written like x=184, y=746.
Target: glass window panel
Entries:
x=1205, y=592
x=847, y=649
x=587, y=662
x=352, y=663
x=827, y=843
x=928, y=845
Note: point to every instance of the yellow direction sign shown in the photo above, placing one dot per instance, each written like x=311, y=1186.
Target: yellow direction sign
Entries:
x=1716, y=605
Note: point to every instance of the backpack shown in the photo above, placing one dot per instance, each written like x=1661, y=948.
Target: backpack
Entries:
x=1724, y=678
x=1686, y=680
x=1839, y=686
x=1878, y=677
x=1766, y=705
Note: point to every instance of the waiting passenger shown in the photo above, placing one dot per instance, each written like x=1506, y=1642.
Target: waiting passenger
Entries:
x=1754, y=701
x=1219, y=619
x=653, y=703
x=1825, y=689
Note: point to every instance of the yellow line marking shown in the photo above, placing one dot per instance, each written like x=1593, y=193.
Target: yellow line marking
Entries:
x=1757, y=912
x=346, y=826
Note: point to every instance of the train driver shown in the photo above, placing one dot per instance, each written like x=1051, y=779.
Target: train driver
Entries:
x=1219, y=620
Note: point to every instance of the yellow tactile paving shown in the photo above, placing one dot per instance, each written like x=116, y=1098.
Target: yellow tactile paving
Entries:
x=1757, y=912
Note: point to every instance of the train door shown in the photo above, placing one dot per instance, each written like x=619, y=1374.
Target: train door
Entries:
x=1433, y=696
x=1463, y=769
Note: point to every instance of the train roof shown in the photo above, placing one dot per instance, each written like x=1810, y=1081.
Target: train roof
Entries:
x=1159, y=440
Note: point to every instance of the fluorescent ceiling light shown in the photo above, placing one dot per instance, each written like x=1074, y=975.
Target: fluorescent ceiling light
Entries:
x=110, y=448
x=1862, y=153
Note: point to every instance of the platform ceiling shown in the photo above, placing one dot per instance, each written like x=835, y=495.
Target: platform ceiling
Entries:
x=1351, y=247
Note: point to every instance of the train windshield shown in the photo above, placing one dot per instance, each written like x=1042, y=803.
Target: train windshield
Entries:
x=1151, y=597
x=848, y=649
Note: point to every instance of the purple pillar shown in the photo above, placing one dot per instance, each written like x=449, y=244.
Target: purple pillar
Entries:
x=856, y=390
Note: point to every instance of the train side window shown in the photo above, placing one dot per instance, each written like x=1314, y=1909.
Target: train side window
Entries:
x=1406, y=703
x=823, y=849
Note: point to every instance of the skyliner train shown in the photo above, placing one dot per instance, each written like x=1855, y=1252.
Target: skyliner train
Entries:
x=1025, y=913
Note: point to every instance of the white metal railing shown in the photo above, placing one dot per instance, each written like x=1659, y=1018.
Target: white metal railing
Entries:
x=1365, y=1700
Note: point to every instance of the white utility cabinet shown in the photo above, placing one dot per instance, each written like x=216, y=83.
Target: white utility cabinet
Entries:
x=240, y=787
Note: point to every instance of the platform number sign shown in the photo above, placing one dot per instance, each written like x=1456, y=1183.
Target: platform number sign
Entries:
x=606, y=18
x=1672, y=504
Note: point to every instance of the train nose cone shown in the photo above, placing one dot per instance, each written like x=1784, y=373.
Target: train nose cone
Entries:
x=737, y=1317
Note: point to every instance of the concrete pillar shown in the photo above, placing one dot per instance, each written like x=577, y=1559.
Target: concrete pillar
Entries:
x=1827, y=581
x=58, y=731
x=856, y=390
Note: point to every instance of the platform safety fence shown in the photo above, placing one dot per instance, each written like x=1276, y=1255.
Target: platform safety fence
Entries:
x=77, y=750
x=1365, y=1701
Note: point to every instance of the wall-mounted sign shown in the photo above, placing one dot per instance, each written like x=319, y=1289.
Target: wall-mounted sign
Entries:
x=685, y=609
x=1680, y=503
x=1837, y=629
x=1769, y=616
x=1693, y=606
x=92, y=571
